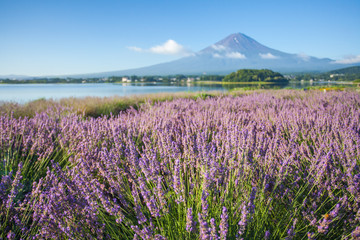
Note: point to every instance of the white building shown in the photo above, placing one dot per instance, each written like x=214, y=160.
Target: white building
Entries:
x=126, y=79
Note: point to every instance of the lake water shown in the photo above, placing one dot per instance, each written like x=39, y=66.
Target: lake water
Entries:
x=23, y=93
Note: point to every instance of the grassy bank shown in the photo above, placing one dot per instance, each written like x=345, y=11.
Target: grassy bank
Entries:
x=96, y=106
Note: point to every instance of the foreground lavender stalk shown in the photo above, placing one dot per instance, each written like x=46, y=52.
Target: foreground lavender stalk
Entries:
x=189, y=220
x=224, y=226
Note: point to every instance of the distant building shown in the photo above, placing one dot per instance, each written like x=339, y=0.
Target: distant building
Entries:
x=126, y=79
x=335, y=75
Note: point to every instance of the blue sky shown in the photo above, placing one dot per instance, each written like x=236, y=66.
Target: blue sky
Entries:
x=75, y=36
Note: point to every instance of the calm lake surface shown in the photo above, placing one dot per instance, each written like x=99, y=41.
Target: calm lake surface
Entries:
x=23, y=93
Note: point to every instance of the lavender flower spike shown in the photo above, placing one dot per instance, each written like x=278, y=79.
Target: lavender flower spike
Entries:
x=224, y=226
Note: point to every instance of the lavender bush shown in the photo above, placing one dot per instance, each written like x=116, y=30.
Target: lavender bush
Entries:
x=279, y=165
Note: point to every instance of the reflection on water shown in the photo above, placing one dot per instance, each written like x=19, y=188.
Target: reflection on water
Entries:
x=26, y=92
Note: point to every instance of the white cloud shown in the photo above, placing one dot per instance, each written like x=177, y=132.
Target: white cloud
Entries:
x=216, y=55
x=136, y=49
x=268, y=56
x=218, y=47
x=304, y=57
x=170, y=47
x=236, y=55
x=349, y=60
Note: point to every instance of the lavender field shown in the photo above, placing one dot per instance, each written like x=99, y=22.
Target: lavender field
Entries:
x=271, y=165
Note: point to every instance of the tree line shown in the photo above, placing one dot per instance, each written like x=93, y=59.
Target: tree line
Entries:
x=254, y=75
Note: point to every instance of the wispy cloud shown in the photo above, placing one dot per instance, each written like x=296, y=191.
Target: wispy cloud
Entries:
x=218, y=47
x=136, y=49
x=170, y=47
x=268, y=56
x=216, y=55
x=304, y=57
x=349, y=60
x=235, y=55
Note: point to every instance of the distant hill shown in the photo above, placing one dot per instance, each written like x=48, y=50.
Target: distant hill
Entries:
x=253, y=75
x=13, y=76
x=348, y=70
x=342, y=74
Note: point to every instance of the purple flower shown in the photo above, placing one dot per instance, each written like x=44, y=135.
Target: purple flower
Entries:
x=204, y=204
x=224, y=226
x=291, y=231
x=267, y=235
x=213, y=232
x=189, y=220
x=356, y=233
x=204, y=228
x=244, y=220
x=10, y=235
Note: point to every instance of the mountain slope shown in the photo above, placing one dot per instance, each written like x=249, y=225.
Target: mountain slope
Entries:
x=237, y=51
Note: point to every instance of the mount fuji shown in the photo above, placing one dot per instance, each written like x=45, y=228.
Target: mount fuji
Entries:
x=236, y=51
